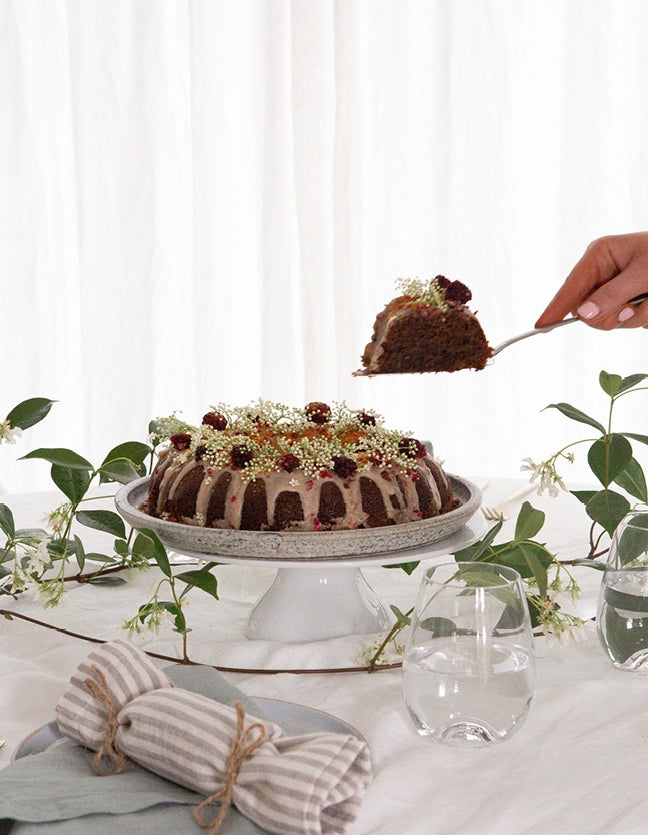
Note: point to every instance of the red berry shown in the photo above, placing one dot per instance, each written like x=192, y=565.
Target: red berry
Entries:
x=215, y=420
x=344, y=467
x=411, y=448
x=318, y=413
x=180, y=440
x=288, y=462
x=241, y=456
x=366, y=419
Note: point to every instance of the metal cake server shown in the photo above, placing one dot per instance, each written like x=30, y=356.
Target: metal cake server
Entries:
x=637, y=300
x=547, y=328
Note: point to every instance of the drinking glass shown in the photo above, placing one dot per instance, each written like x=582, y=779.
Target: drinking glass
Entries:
x=469, y=664
x=622, y=614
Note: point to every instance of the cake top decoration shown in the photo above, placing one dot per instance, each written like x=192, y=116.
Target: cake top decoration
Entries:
x=437, y=292
x=266, y=436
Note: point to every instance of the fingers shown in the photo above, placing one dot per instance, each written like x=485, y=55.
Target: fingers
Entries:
x=596, y=266
x=609, y=306
x=613, y=270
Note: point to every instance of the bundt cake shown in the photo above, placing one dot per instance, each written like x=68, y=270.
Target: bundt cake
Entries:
x=427, y=328
x=270, y=467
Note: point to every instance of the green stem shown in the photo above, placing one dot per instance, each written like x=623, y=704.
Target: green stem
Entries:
x=396, y=628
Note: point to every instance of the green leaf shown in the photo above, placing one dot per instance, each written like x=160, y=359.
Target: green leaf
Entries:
x=633, y=540
x=121, y=548
x=607, y=508
x=95, y=557
x=477, y=550
x=159, y=551
x=133, y=451
x=583, y=495
x=125, y=462
x=610, y=383
x=120, y=471
x=512, y=555
x=643, y=439
x=102, y=520
x=7, y=521
x=29, y=412
x=201, y=579
x=443, y=627
x=80, y=553
x=109, y=580
x=576, y=414
x=401, y=618
x=633, y=481
x=631, y=381
x=407, y=567
x=65, y=457
x=27, y=534
x=539, y=570
x=597, y=564
x=71, y=482
x=529, y=521
x=607, y=460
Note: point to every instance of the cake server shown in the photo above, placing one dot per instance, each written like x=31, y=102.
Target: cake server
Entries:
x=547, y=328
x=637, y=300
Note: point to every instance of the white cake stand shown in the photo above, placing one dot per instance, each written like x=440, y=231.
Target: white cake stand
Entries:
x=317, y=595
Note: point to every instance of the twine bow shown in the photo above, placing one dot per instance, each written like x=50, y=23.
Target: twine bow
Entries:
x=110, y=749
x=245, y=744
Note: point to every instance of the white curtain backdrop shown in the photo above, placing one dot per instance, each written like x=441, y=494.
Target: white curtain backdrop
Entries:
x=207, y=201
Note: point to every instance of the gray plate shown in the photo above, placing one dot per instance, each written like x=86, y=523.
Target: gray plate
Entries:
x=299, y=545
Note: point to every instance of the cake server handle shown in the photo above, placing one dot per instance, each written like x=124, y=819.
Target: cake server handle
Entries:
x=547, y=328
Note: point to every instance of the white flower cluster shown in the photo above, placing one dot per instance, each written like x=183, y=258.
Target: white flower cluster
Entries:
x=9, y=433
x=546, y=473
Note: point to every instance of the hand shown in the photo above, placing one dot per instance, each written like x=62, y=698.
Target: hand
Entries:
x=613, y=270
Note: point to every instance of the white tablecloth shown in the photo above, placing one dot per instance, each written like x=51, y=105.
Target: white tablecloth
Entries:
x=578, y=764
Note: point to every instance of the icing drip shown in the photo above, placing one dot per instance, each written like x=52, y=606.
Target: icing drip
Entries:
x=396, y=488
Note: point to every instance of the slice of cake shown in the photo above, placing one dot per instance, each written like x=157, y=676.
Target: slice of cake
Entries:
x=427, y=328
x=270, y=467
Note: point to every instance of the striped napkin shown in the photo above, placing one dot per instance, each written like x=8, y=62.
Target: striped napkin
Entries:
x=120, y=705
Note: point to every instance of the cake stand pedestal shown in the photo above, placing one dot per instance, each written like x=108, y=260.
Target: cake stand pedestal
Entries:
x=311, y=604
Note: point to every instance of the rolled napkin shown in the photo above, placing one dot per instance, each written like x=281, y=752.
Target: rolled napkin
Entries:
x=120, y=705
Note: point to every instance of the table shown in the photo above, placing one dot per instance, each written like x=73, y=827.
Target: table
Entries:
x=576, y=765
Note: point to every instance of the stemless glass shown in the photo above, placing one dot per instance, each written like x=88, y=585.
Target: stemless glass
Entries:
x=469, y=664
x=622, y=615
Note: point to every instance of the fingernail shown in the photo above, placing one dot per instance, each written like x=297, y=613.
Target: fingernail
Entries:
x=626, y=313
x=588, y=310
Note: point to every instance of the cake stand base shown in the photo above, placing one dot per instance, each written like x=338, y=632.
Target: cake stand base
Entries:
x=306, y=604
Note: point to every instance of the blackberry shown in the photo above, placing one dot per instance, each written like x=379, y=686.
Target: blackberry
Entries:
x=366, y=419
x=411, y=448
x=318, y=413
x=458, y=292
x=443, y=282
x=288, y=462
x=215, y=420
x=200, y=453
x=344, y=467
x=181, y=440
x=241, y=455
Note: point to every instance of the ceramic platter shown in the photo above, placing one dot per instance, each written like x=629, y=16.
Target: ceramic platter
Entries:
x=306, y=547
